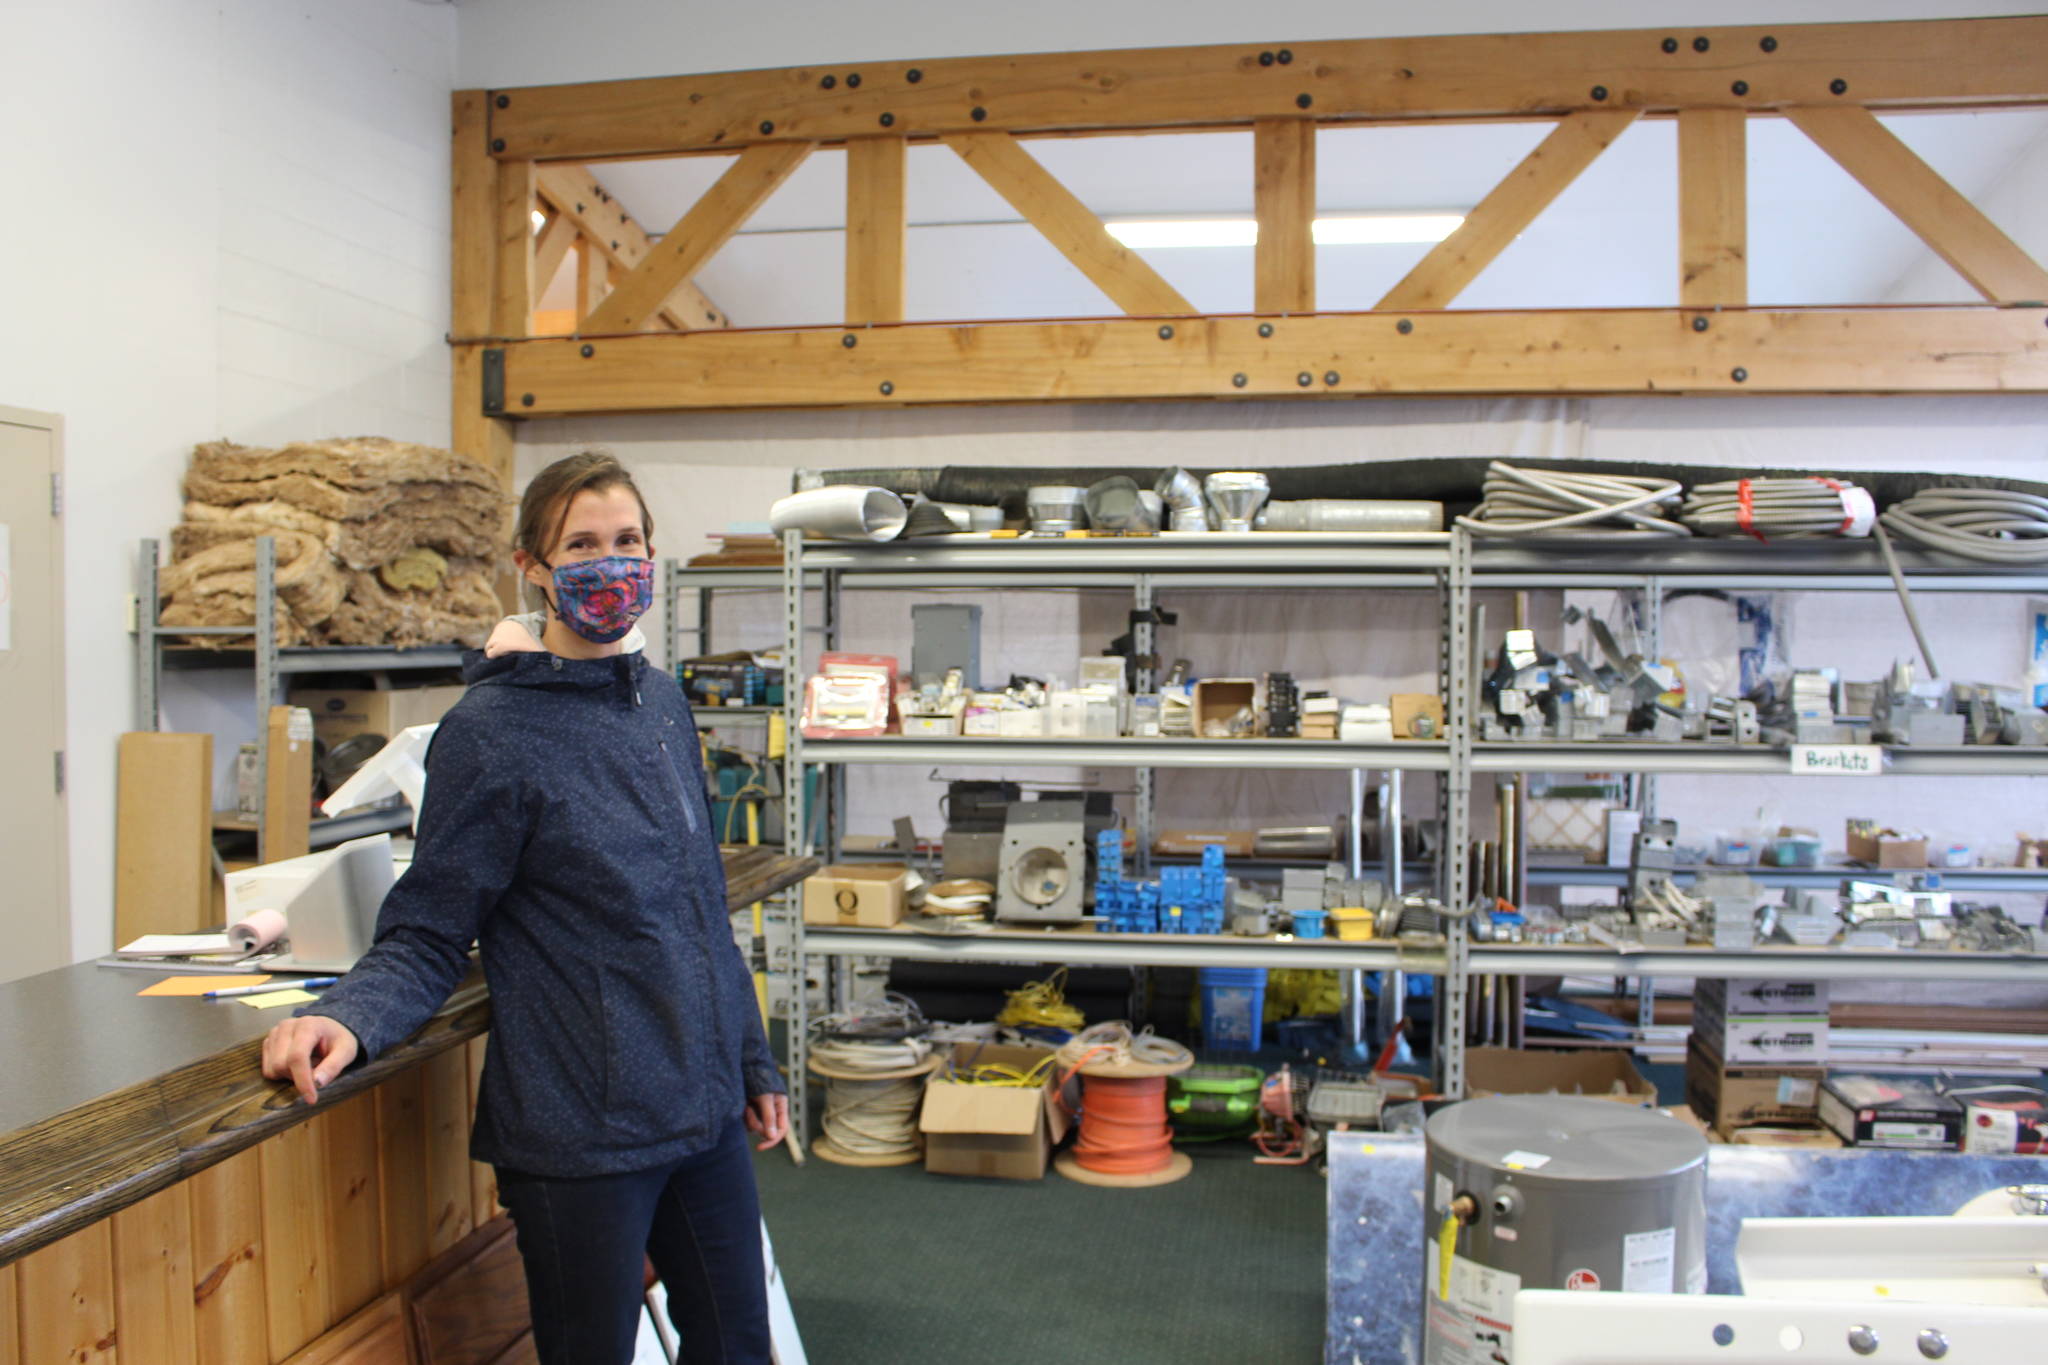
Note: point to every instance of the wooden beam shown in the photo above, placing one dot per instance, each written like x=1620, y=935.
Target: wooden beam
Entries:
x=512, y=275
x=1713, y=208
x=549, y=251
x=875, y=228
x=1963, y=350
x=474, y=272
x=1068, y=224
x=1957, y=63
x=1508, y=208
x=1954, y=228
x=1284, y=195
x=709, y=224
x=593, y=278
x=623, y=243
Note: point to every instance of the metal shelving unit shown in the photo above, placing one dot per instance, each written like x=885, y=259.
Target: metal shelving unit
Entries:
x=1458, y=567
x=1140, y=567
x=155, y=653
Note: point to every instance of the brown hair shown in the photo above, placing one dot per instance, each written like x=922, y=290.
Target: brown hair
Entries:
x=545, y=505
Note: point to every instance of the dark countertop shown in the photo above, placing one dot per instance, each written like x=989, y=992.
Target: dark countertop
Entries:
x=107, y=1096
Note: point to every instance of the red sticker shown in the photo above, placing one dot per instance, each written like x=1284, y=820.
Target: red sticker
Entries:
x=1582, y=1279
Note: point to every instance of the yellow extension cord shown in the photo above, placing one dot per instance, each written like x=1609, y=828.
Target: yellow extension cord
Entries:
x=1041, y=1004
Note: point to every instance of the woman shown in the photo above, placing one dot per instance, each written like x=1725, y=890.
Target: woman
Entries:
x=565, y=830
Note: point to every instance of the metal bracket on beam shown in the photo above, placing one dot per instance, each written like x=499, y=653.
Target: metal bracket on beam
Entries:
x=494, y=380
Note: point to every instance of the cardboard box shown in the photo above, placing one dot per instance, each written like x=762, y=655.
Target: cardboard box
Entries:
x=1218, y=699
x=2001, y=1113
x=927, y=726
x=1761, y=1039
x=998, y=1131
x=1891, y=1111
x=1417, y=715
x=1728, y=1098
x=1602, y=1074
x=1726, y=997
x=867, y=895
x=163, y=836
x=339, y=714
x=1236, y=843
x=1888, y=848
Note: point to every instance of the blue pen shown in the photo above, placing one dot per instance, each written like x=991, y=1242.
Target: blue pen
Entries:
x=310, y=983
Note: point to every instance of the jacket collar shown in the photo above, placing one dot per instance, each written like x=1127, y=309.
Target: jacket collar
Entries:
x=540, y=669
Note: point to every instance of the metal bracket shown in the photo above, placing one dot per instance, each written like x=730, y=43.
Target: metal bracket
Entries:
x=494, y=380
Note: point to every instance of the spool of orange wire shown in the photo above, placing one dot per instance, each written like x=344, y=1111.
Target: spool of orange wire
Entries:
x=1124, y=1139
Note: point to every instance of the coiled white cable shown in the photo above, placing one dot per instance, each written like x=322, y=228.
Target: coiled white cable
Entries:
x=1521, y=502
x=873, y=1118
x=1114, y=1044
x=1990, y=525
x=1780, y=509
x=867, y=1054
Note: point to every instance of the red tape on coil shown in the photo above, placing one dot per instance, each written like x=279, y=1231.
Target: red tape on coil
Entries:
x=1745, y=512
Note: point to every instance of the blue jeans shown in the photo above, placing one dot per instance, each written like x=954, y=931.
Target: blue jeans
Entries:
x=582, y=1240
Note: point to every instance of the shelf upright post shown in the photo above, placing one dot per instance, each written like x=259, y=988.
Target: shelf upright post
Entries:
x=264, y=641
x=1144, y=644
x=1457, y=807
x=796, y=823
x=670, y=591
x=1653, y=646
x=148, y=644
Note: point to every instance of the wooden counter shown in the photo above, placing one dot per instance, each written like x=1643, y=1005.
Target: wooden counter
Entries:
x=160, y=1199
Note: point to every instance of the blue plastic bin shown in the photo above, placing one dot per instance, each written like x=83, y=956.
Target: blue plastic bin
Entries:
x=1233, y=1007
x=1308, y=923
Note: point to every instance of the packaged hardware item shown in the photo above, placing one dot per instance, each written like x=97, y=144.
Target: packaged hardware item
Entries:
x=1891, y=1111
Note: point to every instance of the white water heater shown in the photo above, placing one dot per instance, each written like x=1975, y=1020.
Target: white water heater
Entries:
x=1552, y=1192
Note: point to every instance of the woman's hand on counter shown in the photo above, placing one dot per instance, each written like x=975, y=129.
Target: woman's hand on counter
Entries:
x=768, y=1116
x=312, y=1050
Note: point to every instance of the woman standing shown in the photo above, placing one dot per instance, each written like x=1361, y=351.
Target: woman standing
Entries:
x=565, y=830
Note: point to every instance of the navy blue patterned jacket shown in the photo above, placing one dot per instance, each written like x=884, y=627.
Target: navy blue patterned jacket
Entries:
x=565, y=829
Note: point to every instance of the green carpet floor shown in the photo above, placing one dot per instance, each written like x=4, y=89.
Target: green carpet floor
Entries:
x=896, y=1267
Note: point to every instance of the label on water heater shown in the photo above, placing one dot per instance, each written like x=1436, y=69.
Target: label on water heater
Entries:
x=1647, y=1261
x=1474, y=1324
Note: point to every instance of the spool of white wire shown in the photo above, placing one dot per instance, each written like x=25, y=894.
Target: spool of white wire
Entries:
x=871, y=1108
x=1114, y=1044
x=1527, y=502
x=1990, y=525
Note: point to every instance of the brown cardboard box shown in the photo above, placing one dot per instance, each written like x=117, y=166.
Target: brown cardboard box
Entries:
x=1600, y=1074
x=1236, y=843
x=1888, y=848
x=338, y=714
x=1409, y=707
x=1221, y=698
x=867, y=895
x=1734, y=1097
x=1785, y=1137
x=1005, y=1132
x=163, y=835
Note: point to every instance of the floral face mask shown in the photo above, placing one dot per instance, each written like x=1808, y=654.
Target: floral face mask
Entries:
x=600, y=599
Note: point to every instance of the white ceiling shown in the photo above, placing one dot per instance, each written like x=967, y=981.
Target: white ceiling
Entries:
x=1609, y=241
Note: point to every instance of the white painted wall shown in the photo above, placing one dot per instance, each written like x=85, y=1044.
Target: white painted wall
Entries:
x=226, y=218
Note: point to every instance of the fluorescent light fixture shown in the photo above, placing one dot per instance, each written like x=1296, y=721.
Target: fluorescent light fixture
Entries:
x=1349, y=229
